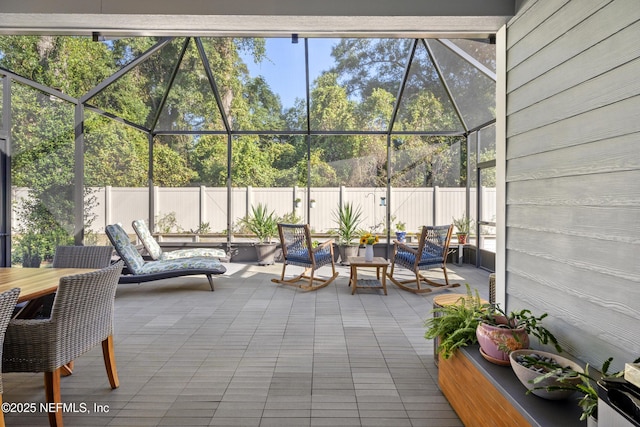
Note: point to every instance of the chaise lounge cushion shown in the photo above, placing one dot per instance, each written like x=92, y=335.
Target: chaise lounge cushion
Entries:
x=142, y=271
x=155, y=251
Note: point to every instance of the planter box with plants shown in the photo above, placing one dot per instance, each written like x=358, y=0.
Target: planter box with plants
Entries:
x=475, y=341
x=485, y=394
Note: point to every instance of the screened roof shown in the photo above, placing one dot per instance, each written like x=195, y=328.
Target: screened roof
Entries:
x=316, y=86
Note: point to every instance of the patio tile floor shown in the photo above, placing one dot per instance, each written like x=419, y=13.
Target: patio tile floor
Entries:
x=254, y=353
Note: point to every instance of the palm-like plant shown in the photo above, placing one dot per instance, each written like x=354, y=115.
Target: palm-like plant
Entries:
x=348, y=217
x=262, y=223
x=463, y=225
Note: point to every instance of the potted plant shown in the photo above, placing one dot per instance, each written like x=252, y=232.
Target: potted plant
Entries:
x=454, y=325
x=312, y=203
x=401, y=232
x=589, y=400
x=463, y=228
x=348, y=218
x=297, y=202
x=529, y=363
x=264, y=225
x=500, y=333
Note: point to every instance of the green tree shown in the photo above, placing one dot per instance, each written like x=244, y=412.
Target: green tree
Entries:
x=209, y=159
x=169, y=168
x=250, y=164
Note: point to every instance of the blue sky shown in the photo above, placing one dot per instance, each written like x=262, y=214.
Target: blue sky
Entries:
x=284, y=68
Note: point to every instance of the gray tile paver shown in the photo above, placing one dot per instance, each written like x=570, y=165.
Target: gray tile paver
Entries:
x=253, y=353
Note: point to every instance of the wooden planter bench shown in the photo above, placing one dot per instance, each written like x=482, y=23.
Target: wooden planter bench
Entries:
x=485, y=394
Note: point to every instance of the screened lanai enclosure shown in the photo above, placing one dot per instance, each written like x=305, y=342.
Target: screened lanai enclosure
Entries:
x=189, y=133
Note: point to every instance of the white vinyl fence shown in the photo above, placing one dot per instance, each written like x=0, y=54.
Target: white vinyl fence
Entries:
x=193, y=206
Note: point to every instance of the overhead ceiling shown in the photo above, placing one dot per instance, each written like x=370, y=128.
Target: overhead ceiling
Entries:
x=380, y=18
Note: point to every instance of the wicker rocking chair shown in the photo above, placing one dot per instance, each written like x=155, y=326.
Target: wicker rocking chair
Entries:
x=297, y=249
x=432, y=250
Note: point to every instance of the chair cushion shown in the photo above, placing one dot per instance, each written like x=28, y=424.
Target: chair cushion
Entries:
x=125, y=248
x=428, y=259
x=150, y=244
x=408, y=259
x=194, y=252
x=193, y=263
x=298, y=256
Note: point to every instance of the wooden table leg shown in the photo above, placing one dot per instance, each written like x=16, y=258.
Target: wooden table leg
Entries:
x=354, y=279
x=384, y=279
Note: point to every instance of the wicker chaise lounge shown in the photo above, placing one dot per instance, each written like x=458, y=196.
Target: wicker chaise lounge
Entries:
x=140, y=270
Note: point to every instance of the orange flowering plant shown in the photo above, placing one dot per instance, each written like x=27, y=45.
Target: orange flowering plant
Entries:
x=369, y=239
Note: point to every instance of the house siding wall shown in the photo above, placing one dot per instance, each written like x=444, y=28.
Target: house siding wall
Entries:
x=573, y=173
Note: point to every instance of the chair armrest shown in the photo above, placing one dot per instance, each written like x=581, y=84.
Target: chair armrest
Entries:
x=405, y=248
x=322, y=245
x=27, y=339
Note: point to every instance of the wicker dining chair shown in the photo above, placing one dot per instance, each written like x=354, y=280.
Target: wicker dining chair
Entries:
x=8, y=301
x=432, y=251
x=297, y=249
x=82, y=317
x=72, y=257
x=82, y=256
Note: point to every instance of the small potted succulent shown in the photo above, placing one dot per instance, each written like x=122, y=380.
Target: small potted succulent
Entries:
x=552, y=369
x=401, y=232
x=463, y=228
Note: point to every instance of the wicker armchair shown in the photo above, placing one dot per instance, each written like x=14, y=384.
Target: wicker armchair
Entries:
x=297, y=249
x=82, y=317
x=8, y=301
x=432, y=250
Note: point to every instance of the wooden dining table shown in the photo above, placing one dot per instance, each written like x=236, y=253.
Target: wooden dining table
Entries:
x=35, y=282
